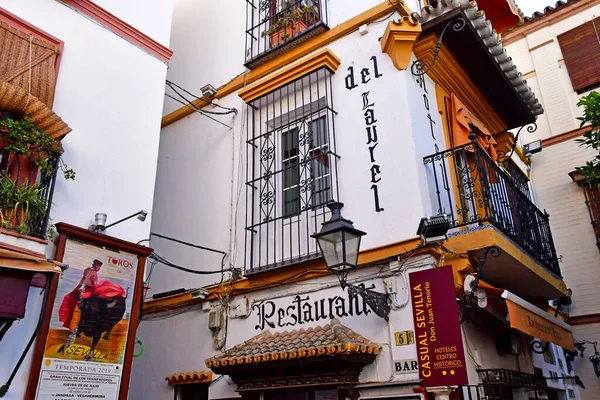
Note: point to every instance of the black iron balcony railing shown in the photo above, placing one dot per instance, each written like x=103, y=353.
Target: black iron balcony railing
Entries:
x=272, y=26
x=26, y=188
x=512, y=379
x=470, y=187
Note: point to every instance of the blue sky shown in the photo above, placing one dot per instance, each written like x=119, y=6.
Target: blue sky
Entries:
x=530, y=6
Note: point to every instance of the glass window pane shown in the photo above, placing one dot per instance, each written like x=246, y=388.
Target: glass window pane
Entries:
x=290, y=143
x=291, y=201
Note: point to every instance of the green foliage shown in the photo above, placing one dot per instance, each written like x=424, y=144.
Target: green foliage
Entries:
x=288, y=19
x=22, y=203
x=23, y=138
x=591, y=139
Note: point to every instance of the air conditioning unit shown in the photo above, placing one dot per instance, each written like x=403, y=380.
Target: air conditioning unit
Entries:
x=215, y=319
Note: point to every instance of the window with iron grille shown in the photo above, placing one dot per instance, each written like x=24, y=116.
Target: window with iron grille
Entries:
x=291, y=171
x=572, y=394
x=272, y=26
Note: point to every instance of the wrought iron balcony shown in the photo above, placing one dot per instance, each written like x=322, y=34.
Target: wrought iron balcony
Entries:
x=273, y=26
x=26, y=187
x=511, y=379
x=470, y=187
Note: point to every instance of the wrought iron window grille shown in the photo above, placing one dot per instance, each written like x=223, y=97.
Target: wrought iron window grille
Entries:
x=26, y=177
x=291, y=171
x=471, y=188
x=273, y=26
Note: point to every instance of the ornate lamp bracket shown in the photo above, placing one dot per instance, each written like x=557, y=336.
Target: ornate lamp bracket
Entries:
x=531, y=128
x=378, y=302
x=537, y=347
x=420, y=67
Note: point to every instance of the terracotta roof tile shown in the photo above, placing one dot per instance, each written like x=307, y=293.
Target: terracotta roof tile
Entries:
x=185, y=378
x=333, y=338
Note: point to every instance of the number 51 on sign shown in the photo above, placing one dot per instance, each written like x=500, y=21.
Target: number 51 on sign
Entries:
x=405, y=337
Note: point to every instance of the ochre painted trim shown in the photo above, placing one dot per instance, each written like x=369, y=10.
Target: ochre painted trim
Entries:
x=529, y=75
x=561, y=61
x=398, y=41
x=490, y=237
x=548, y=19
x=294, y=54
x=24, y=26
x=283, y=276
x=563, y=137
x=541, y=45
x=120, y=28
x=320, y=59
x=584, y=319
x=451, y=76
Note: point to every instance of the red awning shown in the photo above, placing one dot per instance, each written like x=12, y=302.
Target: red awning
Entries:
x=503, y=14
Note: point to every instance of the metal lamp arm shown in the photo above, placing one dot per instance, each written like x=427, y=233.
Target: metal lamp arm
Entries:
x=378, y=302
x=124, y=219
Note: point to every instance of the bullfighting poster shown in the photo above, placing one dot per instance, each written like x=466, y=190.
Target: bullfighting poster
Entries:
x=85, y=346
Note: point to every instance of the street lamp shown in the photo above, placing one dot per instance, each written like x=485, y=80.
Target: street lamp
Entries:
x=339, y=242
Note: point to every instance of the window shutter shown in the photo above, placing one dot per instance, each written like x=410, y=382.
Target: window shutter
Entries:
x=581, y=51
x=15, y=61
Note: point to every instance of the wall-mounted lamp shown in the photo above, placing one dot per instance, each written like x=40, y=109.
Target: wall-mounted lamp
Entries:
x=339, y=242
x=208, y=91
x=434, y=229
x=100, y=221
x=532, y=148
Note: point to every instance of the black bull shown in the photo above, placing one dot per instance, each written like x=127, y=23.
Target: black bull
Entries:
x=97, y=317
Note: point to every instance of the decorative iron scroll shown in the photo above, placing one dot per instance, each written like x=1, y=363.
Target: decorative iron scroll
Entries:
x=537, y=346
x=531, y=128
x=378, y=302
x=420, y=67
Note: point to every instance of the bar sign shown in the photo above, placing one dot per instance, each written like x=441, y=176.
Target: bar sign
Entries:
x=405, y=337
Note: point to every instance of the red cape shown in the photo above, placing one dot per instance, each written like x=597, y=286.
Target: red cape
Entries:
x=105, y=290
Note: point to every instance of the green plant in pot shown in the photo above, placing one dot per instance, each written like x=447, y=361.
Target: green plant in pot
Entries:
x=25, y=153
x=290, y=23
x=23, y=206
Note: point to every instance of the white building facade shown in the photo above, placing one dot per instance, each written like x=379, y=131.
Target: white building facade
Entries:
x=334, y=108
x=540, y=47
x=108, y=66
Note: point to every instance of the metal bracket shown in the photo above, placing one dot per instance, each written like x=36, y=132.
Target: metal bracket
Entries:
x=494, y=251
x=378, y=302
x=537, y=347
x=531, y=128
x=419, y=67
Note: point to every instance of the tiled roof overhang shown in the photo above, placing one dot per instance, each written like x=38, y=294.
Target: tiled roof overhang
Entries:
x=547, y=10
x=481, y=54
x=186, y=378
x=331, y=339
x=329, y=355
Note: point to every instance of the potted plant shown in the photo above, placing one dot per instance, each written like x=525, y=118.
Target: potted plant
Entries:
x=25, y=151
x=22, y=206
x=290, y=23
x=23, y=138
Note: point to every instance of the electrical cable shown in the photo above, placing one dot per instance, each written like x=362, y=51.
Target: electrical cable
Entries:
x=234, y=111
x=163, y=261
x=196, y=110
x=200, y=98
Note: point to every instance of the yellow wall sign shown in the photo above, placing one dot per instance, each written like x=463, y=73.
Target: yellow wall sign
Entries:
x=405, y=337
